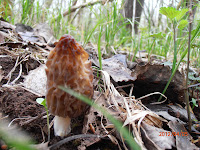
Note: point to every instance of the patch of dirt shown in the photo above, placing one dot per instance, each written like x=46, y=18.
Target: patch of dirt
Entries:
x=19, y=103
x=7, y=63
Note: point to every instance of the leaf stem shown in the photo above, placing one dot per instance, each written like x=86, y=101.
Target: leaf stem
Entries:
x=175, y=47
x=188, y=64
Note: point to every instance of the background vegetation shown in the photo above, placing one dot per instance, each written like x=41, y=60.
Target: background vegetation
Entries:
x=155, y=31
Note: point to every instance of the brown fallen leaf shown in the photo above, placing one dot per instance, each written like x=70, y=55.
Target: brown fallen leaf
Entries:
x=183, y=138
x=156, y=137
x=117, y=68
x=2, y=38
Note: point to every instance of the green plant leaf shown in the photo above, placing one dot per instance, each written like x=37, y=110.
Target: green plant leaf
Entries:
x=172, y=13
x=157, y=35
x=181, y=14
x=195, y=34
x=194, y=101
x=41, y=101
x=169, y=12
x=182, y=24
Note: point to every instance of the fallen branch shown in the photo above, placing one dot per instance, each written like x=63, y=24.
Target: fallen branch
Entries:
x=74, y=8
x=194, y=85
x=33, y=119
x=79, y=136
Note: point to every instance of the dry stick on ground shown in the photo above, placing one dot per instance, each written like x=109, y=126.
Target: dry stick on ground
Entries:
x=19, y=75
x=13, y=69
x=9, y=75
x=188, y=63
x=8, y=36
x=194, y=85
x=34, y=118
x=80, y=136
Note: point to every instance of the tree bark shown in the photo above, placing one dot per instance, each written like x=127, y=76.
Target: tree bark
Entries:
x=128, y=12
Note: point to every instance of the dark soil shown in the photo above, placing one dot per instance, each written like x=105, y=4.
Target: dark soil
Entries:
x=8, y=62
x=19, y=103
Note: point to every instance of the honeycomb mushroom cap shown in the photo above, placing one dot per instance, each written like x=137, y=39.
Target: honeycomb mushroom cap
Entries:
x=68, y=66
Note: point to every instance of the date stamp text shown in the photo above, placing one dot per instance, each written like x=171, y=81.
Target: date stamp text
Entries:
x=173, y=133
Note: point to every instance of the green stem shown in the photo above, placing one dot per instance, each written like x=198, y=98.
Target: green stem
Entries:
x=188, y=64
x=99, y=49
x=175, y=47
x=48, y=123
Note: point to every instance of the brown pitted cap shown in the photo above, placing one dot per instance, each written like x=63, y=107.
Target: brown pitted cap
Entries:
x=68, y=66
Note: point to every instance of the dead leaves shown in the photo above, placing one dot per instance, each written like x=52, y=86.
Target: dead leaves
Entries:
x=117, y=68
x=183, y=138
x=153, y=138
x=132, y=113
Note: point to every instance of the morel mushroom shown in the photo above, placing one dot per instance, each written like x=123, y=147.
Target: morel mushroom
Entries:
x=68, y=66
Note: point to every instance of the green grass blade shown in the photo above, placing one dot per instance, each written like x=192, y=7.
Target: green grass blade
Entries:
x=99, y=49
x=90, y=34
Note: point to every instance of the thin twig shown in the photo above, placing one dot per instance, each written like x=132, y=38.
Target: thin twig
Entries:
x=33, y=119
x=12, y=70
x=17, y=119
x=43, y=137
x=194, y=85
x=74, y=8
x=112, y=138
x=31, y=91
x=153, y=94
x=80, y=136
x=19, y=75
x=8, y=36
x=188, y=63
x=124, y=86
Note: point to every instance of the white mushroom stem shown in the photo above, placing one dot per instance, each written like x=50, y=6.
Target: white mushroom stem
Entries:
x=62, y=126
